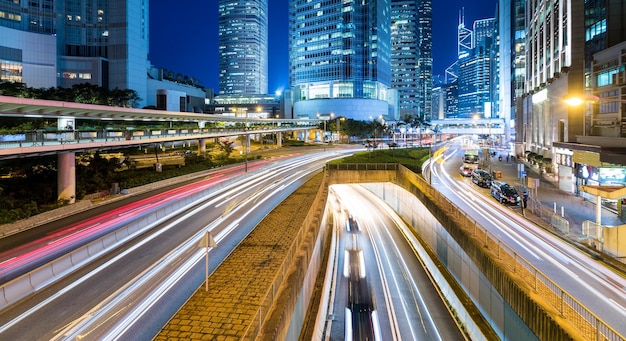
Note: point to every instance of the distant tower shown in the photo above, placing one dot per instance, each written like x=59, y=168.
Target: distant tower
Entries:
x=411, y=58
x=465, y=40
x=243, y=55
x=475, y=71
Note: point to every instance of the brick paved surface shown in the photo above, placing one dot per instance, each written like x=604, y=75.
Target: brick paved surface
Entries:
x=239, y=285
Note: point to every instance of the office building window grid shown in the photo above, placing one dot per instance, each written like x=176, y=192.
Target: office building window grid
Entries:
x=243, y=47
x=339, y=49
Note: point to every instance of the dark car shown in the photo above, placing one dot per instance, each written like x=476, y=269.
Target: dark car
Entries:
x=504, y=193
x=481, y=178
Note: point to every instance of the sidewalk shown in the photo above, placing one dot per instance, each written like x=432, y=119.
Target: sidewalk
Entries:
x=575, y=208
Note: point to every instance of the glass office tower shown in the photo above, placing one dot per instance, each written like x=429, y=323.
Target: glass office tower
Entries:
x=28, y=42
x=243, y=63
x=105, y=43
x=411, y=58
x=340, y=58
x=475, y=72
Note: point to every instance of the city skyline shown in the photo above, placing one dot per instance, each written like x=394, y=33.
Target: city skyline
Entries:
x=194, y=37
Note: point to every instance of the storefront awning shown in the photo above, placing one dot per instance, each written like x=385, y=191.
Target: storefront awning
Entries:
x=607, y=192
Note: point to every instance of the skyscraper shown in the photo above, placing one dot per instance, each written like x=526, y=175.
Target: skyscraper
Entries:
x=66, y=42
x=475, y=72
x=243, y=58
x=512, y=57
x=104, y=43
x=28, y=52
x=411, y=56
x=555, y=43
x=339, y=58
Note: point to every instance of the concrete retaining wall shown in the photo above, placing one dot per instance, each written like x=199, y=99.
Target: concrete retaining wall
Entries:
x=539, y=318
x=484, y=271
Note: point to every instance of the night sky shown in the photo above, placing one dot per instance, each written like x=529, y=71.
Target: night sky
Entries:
x=183, y=37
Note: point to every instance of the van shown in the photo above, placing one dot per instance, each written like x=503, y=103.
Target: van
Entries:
x=481, y=177
x=504, y=193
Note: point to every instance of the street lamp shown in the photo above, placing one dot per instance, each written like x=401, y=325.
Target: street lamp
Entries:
x=577, y=100
x=247, y=138
x=324, y=120
x=332, y=115
x=339, y=119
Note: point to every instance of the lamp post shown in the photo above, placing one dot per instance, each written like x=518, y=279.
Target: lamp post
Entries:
x=246, y=136
x=339, y=119
x=577, y=100
x=332, y=115
x=324, y=133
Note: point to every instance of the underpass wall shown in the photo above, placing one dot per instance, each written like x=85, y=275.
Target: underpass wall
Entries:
x=494, y=289
x=505, y=322
x=514, y=310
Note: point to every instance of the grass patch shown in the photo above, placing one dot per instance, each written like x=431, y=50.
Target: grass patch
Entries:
x=411, y=158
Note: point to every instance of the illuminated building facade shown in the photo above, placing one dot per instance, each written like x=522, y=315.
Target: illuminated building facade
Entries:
x=243, y=56
x=340, y=58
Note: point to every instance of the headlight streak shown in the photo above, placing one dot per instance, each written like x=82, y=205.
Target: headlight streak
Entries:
x=361, y=211
x=125, y=253
x=323, y=320
x=381, y=268
x=552, y=250
x=401, y=226
x=485, y=209
x=397, y=257
x=146, y=303
x=74, y=284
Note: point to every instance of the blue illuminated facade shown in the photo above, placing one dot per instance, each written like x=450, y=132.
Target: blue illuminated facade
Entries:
x=340, y=58
x=243, y=54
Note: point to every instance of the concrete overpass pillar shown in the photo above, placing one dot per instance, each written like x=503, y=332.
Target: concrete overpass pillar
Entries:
x=306, y=136
x=279, y=139
x=66, y=177
x=202, y=147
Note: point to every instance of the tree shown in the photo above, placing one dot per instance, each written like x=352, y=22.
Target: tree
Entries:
x=436, y=130
x=226, y=148
x=14, y=89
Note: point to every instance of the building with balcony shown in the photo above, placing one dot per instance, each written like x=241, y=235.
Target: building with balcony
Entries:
x=576, y=51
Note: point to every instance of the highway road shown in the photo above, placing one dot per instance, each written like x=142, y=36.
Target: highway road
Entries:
x=133, y=290
x=594, y=285
x=382, y=292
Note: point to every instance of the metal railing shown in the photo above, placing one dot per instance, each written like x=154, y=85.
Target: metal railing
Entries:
x=569, y=308
x=41, y=137
x=312, y=217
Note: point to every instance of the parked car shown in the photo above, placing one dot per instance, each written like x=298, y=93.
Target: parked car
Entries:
x=466, y=170
x=481, y=177
x=504, y=193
